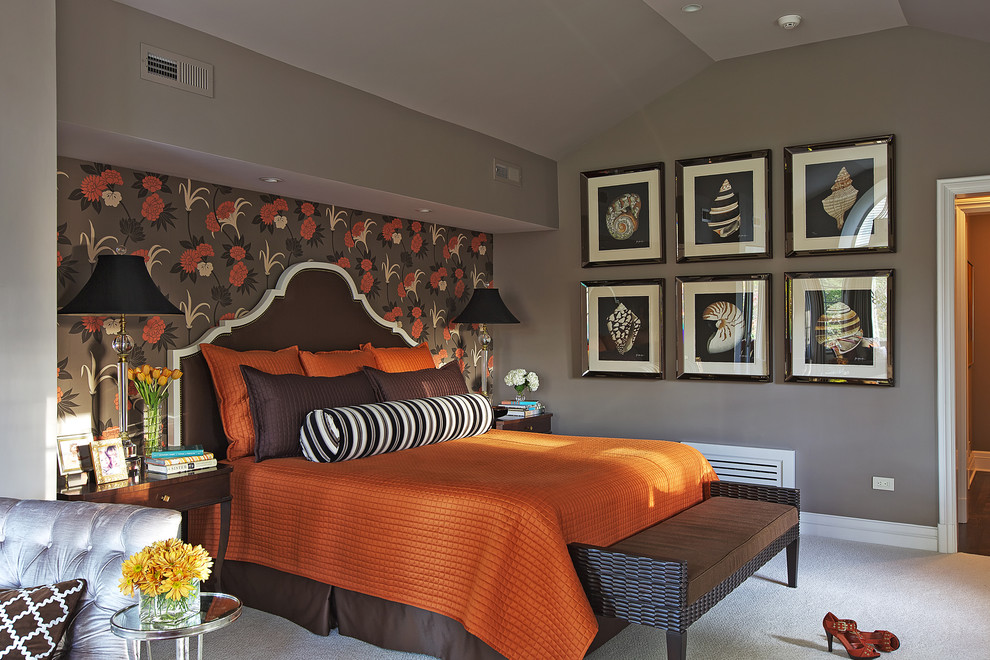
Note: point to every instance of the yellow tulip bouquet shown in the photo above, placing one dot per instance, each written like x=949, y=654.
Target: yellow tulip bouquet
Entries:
x=152, y=384
x=167, y=576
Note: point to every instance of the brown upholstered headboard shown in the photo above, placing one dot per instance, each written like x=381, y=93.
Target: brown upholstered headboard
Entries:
x=314, y=306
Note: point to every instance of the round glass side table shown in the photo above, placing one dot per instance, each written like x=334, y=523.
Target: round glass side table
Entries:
x=215, y=611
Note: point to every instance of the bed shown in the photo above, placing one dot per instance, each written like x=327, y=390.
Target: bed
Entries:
x=456, y=549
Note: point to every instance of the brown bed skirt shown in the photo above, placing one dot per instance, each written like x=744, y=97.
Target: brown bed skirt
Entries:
x=319, y=608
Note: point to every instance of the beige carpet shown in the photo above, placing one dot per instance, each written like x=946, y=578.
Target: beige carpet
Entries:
x=938, y=605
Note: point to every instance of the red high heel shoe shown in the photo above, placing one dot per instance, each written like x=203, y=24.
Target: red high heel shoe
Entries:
x=851, y=641
x=883, y=640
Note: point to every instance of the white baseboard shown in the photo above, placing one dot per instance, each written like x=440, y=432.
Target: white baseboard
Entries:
x=901, y=535
x=980, y=461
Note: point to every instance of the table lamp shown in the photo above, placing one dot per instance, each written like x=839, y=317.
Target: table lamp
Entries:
x=120, y=285
x=484, y=307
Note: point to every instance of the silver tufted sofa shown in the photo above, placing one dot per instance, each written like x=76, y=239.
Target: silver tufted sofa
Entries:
x=42, y=542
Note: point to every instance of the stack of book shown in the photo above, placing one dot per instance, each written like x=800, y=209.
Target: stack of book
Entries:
x=179, y=459
x=522, y=408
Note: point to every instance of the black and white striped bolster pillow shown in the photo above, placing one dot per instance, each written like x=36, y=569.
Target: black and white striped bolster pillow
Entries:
x=341, y=434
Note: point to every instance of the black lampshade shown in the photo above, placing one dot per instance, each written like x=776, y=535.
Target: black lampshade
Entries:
x=486, y=306
x=120, y=284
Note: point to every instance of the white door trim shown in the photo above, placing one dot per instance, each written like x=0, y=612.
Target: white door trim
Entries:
x=950, y=374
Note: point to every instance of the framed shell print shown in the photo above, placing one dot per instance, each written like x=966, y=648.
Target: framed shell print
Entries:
x=839, y=327
x=725, y=327
x=623, y=328
x=622, y=213
x=723, y=207
x=839, y=197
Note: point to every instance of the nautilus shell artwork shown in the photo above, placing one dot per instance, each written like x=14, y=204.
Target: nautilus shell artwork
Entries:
x=623, y=326
x=842, y=198
x=839, y=329
x=622, y=218
x=723, y=219
x=729, y=326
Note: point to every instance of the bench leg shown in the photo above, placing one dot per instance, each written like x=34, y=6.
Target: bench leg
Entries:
x=792, y=562
x=676, y=645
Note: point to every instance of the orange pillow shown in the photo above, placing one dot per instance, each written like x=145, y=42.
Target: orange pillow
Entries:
x=399, y=359
x=225, y=367
x=335, y=363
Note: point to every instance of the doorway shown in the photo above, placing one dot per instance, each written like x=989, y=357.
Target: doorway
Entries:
x=955, y=198
x=974, y=521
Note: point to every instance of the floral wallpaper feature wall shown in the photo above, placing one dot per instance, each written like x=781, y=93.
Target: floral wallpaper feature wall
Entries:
x=214, y=250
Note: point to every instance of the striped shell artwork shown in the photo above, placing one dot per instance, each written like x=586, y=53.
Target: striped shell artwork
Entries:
x=622, y=219
x=839, y=329
x=724, y=218
x=623, y=327
x=729, y=326
x=842, y=198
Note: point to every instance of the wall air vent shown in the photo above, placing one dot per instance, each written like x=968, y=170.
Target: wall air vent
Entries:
x=177, y=71
x=506, y=172
x=751, y=465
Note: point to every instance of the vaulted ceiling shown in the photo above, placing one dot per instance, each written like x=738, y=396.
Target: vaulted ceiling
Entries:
x=545, y=75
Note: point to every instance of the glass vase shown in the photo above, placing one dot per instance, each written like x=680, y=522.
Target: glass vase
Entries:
x=162, y=610
x=520, y=394
x=154, y=427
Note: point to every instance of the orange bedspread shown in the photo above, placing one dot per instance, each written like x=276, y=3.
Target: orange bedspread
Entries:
x=475, y=529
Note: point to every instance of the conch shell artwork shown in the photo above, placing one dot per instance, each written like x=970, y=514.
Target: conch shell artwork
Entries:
x=842, y=198
x=839, y=330
x=723, y=219
x=622, y=218
x=623, y=326
x=729, y=326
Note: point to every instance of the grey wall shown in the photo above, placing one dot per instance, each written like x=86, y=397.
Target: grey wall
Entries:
x=929, y=90
x=27, y=273
x=269, y=113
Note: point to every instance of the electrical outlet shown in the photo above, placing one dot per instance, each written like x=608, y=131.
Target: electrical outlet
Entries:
x=883, y=483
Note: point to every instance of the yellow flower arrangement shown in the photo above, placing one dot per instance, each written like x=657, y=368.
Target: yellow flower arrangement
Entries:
x=170, y=568
x=152, y=382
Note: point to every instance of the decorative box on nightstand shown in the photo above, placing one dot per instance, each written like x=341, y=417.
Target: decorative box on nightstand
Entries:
x=534, y=424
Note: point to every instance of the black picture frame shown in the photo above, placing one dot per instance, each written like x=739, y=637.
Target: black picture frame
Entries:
x=725, y=327
x=839, y=197
x=723, y=207
x=624, y=328
x=840, y=327
x=622, y=211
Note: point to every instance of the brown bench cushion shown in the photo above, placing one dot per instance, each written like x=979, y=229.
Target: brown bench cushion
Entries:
x=716, y=538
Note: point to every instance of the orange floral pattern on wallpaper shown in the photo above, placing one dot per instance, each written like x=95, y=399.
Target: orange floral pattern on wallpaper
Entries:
x=214, y=250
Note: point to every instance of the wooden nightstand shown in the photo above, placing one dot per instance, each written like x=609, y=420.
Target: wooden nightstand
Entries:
x=180, y=492
x=534, y=424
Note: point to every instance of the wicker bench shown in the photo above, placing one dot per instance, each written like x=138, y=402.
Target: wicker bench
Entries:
x=670, y=574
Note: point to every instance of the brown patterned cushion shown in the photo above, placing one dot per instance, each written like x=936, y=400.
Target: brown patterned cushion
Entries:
x=32, y=621
x=279, y=404
x=417, y=384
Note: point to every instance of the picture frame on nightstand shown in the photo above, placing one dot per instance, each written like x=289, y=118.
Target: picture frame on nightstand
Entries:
x=108, y=460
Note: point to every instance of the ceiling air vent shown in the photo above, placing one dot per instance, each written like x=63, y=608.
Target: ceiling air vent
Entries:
x=177, y=71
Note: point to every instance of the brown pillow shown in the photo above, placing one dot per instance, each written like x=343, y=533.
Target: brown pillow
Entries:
x=279, y=404
x=335, y=363
x=401, y=358
x=36, y=618
x=420, y=384
x=232, y=396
